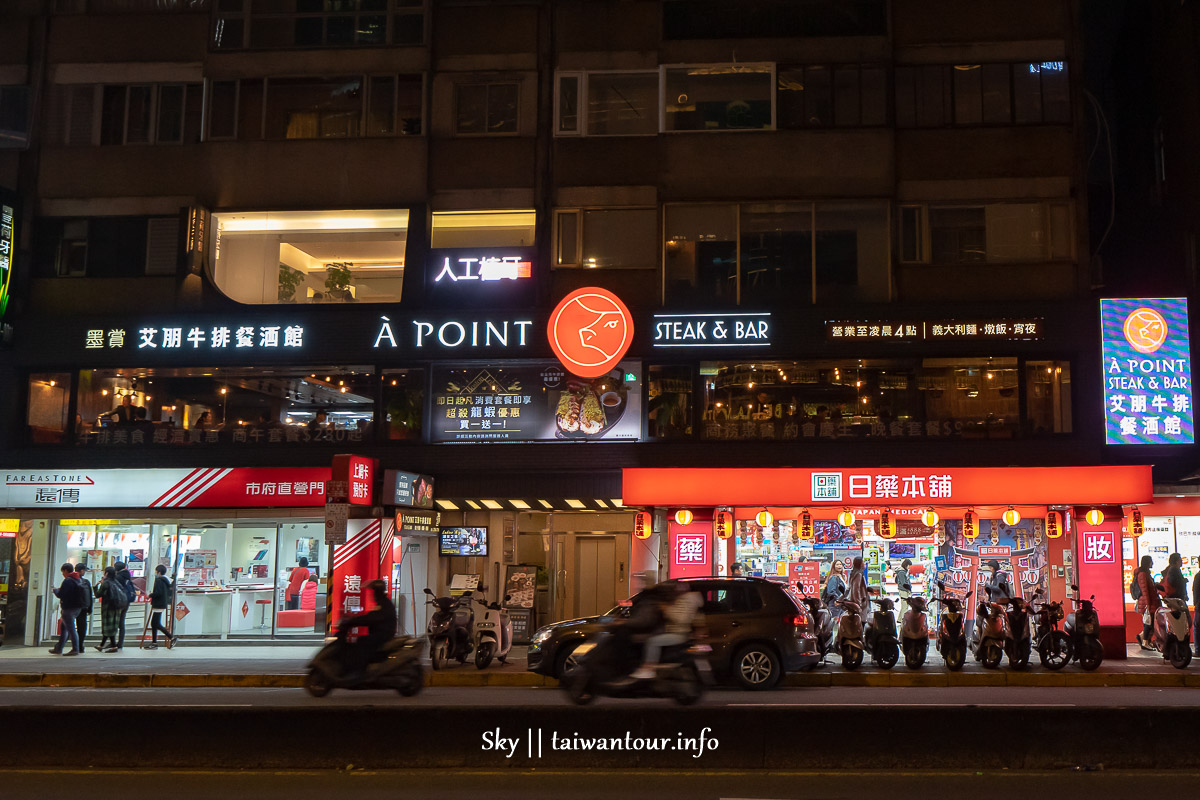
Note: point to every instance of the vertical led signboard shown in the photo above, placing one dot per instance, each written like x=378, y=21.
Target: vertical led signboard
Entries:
x=1147, y=371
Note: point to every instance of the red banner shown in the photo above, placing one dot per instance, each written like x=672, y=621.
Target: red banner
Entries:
x=807, y=574
x=355, y=564
x=1098, y=550
x=691, y=549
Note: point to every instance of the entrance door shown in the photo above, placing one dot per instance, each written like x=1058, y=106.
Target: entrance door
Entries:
x=410, y=579
x=595, y=574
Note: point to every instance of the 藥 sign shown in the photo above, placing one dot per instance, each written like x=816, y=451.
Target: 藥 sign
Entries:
x=1147, y=371
x=738, y=329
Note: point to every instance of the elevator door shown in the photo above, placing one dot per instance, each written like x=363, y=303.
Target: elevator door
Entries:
x=596, y=574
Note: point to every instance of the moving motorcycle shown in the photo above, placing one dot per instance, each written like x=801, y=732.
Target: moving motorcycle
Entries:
x=952, y=637
x=493, y=633
x=914, y=632
x=605, y=662
x=397, y=666
x=449, y=629
x=1053, y=645
x=850, y=635
x=1018, y=645
x=881, y=637
x=1083, y=628
x=991, y=634
x=1172, y=632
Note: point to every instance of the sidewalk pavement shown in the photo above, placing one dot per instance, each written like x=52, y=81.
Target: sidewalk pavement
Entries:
x=282, y=665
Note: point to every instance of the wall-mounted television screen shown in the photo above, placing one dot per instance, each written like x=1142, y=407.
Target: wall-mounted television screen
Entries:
x=462, y=542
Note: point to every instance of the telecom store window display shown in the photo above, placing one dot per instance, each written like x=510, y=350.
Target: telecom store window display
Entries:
x=233, y=579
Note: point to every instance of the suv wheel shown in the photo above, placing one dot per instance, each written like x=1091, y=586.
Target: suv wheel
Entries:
x=755, y=667
x=566, y=661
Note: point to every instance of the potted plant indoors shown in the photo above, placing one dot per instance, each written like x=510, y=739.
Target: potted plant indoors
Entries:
x=337, y=281
x=289, y=281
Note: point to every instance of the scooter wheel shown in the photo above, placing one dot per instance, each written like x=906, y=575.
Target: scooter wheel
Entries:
x=437, y=656
x=886, y=655
x=483, y=655
x=914, y=656
x=956, y=657
x=578, y=687
x=317, y=683
x=414, y=681
x=1179, y=654
x=851, y=657
x=688, y=688
x=992, y=656
x=1055, y=651
x=1091, y=656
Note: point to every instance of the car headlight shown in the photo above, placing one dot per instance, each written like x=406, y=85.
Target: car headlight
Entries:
x=540, y=636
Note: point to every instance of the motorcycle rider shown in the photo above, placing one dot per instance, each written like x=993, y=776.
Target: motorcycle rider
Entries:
x=380, y=623
x=679, y=613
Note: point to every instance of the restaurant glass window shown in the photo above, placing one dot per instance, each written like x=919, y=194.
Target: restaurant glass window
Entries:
x=48, y=406
x=1023, y=93
x=930, y=398
x=498, y=228
x=404, y=403
x=274, y=257
x=1048, y=396
x=701, y=252
x=713, y=97
x=999, y=233
x=670, y=408
x=242, y=407
x=607, y=238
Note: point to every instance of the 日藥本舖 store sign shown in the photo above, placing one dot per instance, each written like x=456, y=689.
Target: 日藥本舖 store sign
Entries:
x=166, y=488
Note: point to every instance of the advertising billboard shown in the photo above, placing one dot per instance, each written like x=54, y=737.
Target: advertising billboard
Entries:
x=1147, y=371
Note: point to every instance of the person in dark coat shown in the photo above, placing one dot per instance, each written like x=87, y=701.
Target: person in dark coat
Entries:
x=904, y=585
x=85, y=613
x=160, y=601
x=1174, y=584
x=125, y=579
x=997, y=586
x=835, y=589
x=110, y=617
x=1148, y=601
x=68, y=598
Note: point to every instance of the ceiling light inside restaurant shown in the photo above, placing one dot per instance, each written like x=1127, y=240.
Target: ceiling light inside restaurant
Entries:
x=519, y=504
x=546, y=504
x=575, y=504
x=492, y=504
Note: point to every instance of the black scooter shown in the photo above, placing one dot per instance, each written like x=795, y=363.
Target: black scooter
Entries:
x=881, y=638
x=1083, y=627
x=450, y=629
x=822, y=626
x=397, y=666
x=952, y=637
x=605, y=662
x=1019, y=644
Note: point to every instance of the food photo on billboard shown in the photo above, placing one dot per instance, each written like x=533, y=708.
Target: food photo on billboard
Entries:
x=463, y=542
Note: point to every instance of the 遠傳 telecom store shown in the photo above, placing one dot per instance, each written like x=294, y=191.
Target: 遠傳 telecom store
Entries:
x=1048, y=527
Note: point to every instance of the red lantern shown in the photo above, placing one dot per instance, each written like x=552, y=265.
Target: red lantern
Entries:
x=642, y=525
x=723, y=524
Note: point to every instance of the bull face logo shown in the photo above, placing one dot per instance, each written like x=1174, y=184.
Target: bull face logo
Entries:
x=1145, y=330
x=590, y=331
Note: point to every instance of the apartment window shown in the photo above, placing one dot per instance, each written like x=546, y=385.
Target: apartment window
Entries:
x=472, y=229
x=486, y=108
x=756, y=19
x=764, y=253
x=49, y=401
x=314, y=108
x=609, y=238
x=129, y=114
x=394, y=105
x=222, y=110
x=983, y=94
x=273, y=24
x=719, y=97
x=828, y=96
x=108, y=247
x=995, y=233
x=617, y=103
x=272, y=257
x=567, y=103
x=15, y=115
x=1048, y=397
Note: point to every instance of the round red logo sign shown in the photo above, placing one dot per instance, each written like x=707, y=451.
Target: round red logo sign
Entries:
x=590, y=331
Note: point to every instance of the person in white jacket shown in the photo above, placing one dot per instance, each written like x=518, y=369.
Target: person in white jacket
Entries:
x=680, y=616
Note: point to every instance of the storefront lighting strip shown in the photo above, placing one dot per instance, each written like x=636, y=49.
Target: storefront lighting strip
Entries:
x=474, y=505
x=616, y=503
x=492, y=504
x=546, y=504
x=519, y=504
x=601, y=503
x=447, y=505
x=575, y=504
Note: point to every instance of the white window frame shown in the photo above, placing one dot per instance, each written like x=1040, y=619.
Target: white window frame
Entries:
x=583, y=78
x=922, y=233
x=579, y=212
x=206, y=116
x=662, y=96
x=581, y=110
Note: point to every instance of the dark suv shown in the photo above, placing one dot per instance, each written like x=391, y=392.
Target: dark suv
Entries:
x=756, y=630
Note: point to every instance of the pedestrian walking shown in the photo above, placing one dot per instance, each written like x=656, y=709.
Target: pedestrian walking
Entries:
x=160, y=601
x=125, y=579
x=857, y=591
x=69, y=594
x=113, y=604
x=85, y=613
x=1148, y=601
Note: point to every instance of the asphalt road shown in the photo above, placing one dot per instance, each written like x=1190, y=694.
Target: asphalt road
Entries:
x=846, y=697
x=598, y=785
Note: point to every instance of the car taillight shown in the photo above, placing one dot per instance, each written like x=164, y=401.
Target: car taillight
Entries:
x=799, y=619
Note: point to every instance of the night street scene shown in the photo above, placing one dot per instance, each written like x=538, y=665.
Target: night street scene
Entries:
x=594, y=399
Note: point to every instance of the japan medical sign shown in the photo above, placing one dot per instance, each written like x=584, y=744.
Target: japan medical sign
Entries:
x=1147, y=371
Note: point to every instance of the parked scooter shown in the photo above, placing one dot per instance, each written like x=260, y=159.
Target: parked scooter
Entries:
x=991, y=633
x=605, y=662
x=914, y=632
x=1053, y=645
x=1083, y=627
x=881, y=637
x=1172, y=633
x=397, y=666
x=850, y=635
x=1018, y=645
x=493, y=633
x=952, y=636
x=450, y=629
x=822, y=625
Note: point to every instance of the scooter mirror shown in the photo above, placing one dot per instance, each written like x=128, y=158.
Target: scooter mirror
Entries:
x=507, y=597
x=1074, y=588
x=428, y=592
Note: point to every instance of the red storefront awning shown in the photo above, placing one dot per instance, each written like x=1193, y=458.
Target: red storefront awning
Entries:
x=963, y=486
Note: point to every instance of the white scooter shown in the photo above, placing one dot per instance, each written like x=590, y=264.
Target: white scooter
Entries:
x=493, y=633
x=1172, y=632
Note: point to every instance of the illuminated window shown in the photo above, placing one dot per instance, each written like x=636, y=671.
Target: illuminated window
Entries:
x=310, y=256
x=715, y=97
x=483, y=229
